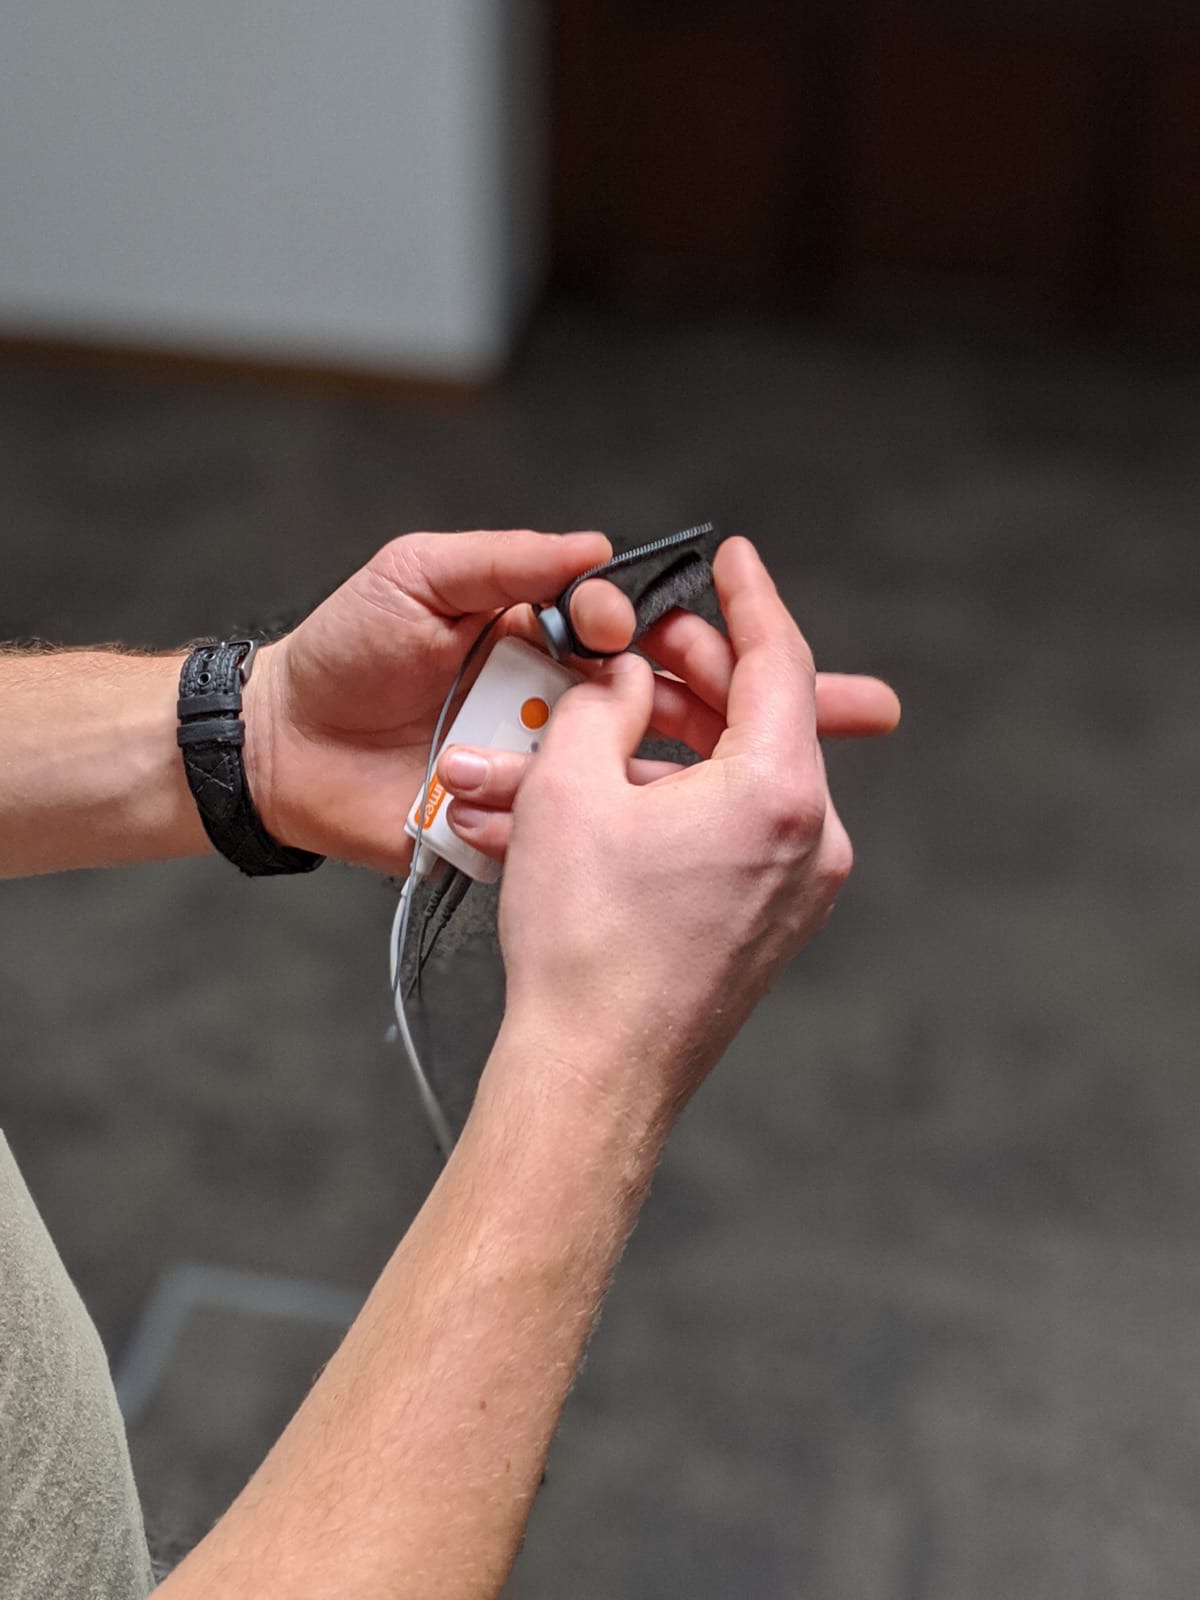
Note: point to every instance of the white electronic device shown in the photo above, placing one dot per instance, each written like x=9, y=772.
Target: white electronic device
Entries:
x=507, y=709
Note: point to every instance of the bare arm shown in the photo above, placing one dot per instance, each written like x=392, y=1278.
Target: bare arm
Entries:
x=89, y=771
x=411, y=1468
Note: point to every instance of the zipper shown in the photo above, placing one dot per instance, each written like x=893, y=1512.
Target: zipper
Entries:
x=641, y=551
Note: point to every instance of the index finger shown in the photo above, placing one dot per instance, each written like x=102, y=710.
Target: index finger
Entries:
x=772, y=693
x=850, y=705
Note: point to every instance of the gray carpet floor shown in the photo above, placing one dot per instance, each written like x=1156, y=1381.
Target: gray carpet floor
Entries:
x=914, y=1311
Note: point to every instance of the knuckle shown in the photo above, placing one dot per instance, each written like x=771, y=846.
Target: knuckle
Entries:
x=400, y=565
x=839, y=860
x=404, y=555
x=414, y=567
x=791, y=654
x=796, y=810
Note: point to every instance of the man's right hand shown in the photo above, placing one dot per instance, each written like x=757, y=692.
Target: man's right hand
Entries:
x=641, y=921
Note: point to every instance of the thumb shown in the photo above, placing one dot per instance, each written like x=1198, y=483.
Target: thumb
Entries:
x=602, y=721
x=458, y=574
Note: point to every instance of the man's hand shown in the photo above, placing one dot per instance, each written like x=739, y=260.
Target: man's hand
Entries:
x=667, y=906
x=340, y=714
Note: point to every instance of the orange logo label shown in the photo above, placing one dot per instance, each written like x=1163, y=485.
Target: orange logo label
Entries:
x=433, y=804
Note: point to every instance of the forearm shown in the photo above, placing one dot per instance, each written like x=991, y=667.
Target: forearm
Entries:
x=90, y=774
x=410, y=1469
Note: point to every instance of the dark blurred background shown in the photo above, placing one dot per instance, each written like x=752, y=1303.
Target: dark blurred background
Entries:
x=909, y=294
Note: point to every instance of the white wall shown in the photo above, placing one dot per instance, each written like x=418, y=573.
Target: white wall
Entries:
x=357, y=180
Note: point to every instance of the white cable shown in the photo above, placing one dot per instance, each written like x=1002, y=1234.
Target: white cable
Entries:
x=438, y=1120
x=429, y=1101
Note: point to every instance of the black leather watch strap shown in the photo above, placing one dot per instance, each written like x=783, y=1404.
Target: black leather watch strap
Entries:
x=211, y=735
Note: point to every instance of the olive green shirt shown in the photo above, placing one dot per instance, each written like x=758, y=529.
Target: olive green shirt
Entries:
x=70, y=1523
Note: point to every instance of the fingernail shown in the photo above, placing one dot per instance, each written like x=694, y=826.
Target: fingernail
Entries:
x=466, y=819
x=464, y=770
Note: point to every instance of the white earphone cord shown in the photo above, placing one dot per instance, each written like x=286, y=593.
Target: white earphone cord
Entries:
x=430, y=1103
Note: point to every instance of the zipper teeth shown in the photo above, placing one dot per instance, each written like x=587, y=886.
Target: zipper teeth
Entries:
x=637, y=553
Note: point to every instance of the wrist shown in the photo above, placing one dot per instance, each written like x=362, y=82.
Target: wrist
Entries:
x=212, y=738
x=260, y=716
x=578, y=1089
x=152, y=802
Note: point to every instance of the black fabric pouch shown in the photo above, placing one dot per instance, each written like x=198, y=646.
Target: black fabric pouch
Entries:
x=657, y=577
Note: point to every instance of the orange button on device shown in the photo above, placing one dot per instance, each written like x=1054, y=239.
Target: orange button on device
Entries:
x=535, y=713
